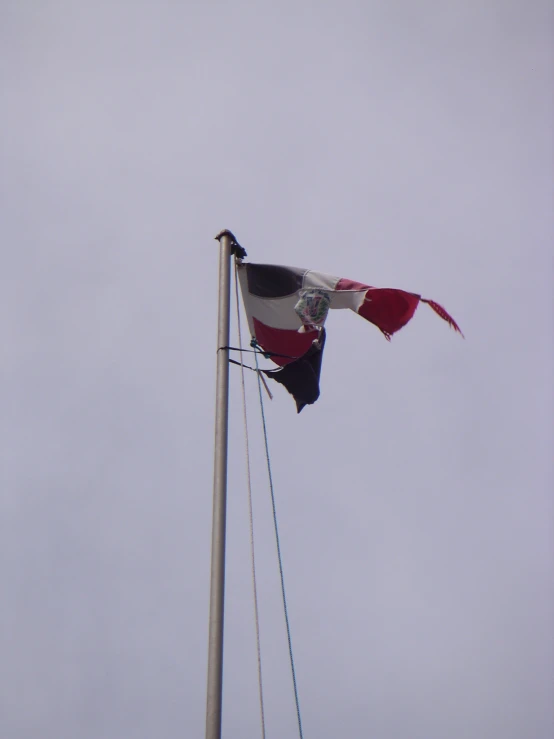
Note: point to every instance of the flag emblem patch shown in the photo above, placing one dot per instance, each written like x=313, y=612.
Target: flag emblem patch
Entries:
x=313, y=307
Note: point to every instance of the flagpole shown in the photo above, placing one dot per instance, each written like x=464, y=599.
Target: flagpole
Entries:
x=228, y=246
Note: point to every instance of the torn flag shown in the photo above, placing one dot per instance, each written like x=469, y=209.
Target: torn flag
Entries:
x=287, y=307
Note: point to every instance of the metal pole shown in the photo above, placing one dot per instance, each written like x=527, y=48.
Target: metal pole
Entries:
x=228, y=245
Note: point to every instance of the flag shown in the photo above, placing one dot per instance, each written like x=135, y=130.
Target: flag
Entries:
x=287, y=307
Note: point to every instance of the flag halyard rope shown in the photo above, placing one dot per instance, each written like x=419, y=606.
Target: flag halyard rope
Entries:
x=251, y=515
x=279, y=551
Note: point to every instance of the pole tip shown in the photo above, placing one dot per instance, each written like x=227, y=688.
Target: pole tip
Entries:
x=225, y=232
x=236, y=248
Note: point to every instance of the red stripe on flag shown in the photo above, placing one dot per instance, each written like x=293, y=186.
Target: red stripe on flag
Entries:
x=283, y=341
x=388, y=309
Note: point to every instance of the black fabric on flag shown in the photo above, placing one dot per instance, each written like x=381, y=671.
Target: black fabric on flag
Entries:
x=301, y=377
x=273, y=281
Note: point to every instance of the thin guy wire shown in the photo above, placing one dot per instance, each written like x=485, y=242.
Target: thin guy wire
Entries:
x=279, y=552
x=250, y=511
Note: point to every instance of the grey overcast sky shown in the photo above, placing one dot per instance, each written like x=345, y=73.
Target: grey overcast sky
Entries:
x=396, y=143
